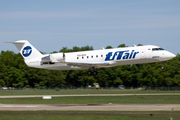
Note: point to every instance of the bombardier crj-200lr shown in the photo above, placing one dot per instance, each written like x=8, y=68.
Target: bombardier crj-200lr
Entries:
x=93, y=59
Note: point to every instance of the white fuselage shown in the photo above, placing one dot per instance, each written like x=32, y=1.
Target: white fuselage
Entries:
x=101, y=58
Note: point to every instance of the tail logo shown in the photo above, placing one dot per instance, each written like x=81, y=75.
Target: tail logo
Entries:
x=27, y=51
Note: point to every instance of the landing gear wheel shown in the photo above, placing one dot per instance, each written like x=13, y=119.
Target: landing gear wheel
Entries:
x=95, y=73
x=89, y=73
x=92, y=71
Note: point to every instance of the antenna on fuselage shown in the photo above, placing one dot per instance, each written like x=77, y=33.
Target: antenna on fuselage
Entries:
x=134, y=45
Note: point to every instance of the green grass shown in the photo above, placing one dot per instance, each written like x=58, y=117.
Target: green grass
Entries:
x=55, y=115
x=78, y=91
x=145, y=99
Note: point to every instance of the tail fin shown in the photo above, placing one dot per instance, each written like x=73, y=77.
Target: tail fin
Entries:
x=27, y=50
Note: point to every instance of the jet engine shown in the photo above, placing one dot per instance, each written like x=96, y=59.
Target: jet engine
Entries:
x=53, y=58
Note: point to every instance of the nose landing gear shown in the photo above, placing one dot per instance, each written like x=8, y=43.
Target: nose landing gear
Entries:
x=163, y=65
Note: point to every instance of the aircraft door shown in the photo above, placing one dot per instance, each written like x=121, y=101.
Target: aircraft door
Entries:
x=143, y=55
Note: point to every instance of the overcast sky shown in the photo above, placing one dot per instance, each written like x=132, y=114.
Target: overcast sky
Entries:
x=52, y=24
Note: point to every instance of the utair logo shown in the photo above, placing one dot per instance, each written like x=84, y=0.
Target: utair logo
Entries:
x=27, y=51
x=118, y=55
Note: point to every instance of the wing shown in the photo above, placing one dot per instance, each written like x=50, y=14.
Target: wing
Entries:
x=88, y=65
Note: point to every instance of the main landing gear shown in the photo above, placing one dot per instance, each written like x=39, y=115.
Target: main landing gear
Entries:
x=92, y=71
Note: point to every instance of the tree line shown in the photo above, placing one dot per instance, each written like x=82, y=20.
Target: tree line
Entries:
x=15, y=73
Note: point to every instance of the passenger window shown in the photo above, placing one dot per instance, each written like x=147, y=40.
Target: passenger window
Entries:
x=77, y=57
x=97, y=56
x=101, y=55
x=87, y=56
x=82, y=57
x=91, y=56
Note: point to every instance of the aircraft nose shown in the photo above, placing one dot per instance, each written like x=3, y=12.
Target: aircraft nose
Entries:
x=167, y=56
x=171, y=55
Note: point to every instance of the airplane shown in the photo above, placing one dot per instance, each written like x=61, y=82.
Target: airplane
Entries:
x=92, y=59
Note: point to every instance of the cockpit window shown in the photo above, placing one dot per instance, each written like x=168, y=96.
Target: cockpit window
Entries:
x=157, y=49
x=161, y=49
x=154, y=49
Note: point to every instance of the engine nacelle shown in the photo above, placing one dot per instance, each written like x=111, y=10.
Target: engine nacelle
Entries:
x=53, y=58
x=57, y=57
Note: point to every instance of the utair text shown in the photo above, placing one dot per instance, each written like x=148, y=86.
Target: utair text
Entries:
x=121, y=55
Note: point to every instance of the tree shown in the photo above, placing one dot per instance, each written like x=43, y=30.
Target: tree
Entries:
x=14, y=72
x=109, y=47
x=122, y=45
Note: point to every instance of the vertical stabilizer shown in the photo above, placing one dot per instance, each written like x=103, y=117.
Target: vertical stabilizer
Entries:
x=27, y=50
